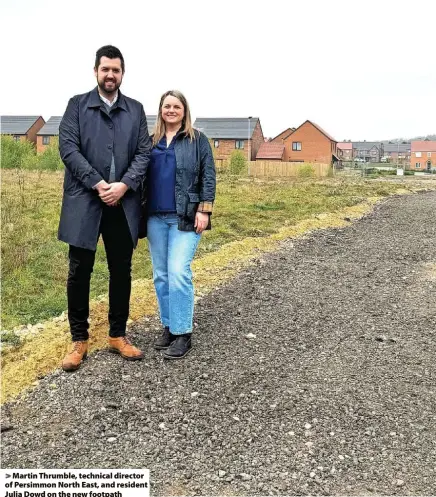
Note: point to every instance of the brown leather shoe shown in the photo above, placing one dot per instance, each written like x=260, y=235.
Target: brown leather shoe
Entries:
x=74, y=358
x=122, y=346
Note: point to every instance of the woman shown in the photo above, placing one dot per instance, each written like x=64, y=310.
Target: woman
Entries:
x=180, y=194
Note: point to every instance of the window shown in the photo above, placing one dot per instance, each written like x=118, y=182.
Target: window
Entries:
x=45, y=140
x=17, y=138
x=417, y=165
x=216, y=143
x=239, y=144
x=428, y=154
x=296, y=146
x=417, y=154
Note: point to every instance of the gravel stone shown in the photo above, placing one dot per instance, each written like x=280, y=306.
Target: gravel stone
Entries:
x=316, y=306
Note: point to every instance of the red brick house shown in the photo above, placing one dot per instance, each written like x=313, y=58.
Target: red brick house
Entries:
x=227, y=134
x=271, y=151
x=21, y=127
x=423, y=155
x=310, y=143
x=345, y=151
x=46, y=134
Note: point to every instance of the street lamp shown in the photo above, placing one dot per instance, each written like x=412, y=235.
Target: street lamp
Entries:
x=248, y=143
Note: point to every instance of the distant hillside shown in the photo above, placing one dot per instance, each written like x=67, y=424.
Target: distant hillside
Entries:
x=395, y=140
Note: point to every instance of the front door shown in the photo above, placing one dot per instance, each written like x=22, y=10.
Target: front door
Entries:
x=429, y=165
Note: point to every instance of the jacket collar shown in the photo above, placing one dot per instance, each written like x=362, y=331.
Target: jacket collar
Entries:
x=96, y=101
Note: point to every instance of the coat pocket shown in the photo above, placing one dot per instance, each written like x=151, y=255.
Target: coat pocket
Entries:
x=192, y=205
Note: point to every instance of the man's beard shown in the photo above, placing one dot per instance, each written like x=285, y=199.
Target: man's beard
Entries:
x=111, y=89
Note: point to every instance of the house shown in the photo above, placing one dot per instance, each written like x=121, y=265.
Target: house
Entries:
x=284, y=134
x=368, y=151
x=46, y=134
x=423, y=155
x=397, y=153
x=345, y=151
x=232, y=133
x=271, y=151
x=21, y=127
x=151, y=121
x=310, y=143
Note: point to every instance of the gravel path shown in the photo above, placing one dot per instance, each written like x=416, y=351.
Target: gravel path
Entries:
x=335, y=394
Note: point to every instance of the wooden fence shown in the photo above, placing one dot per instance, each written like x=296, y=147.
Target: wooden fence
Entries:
x=281, y=169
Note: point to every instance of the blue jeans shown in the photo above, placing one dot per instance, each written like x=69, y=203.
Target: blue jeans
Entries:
x=172, y=252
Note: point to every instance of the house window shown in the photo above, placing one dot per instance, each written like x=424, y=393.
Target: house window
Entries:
x=46, y=140
x=417, y=165
x=428, y=154
x=417, y=154
x=216, y=143
x=239, y=144
x=17, y=138
x=296, y=146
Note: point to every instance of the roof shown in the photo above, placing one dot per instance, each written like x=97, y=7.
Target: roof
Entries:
x=396, y=147
x=318, y=128
x=270, y=150
x=366, y=145
x=17, y=125
x=284, y=134
x=424, y=146
x=239, y=128
x=51, y=127
x=345, y=145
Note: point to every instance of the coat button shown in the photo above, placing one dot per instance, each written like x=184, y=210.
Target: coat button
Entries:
x=109, y=147
x=111, y=125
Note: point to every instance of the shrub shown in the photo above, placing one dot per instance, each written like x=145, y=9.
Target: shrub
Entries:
x=238, y=163
x=16, y=154
x=306, y=171
x=21, y=155
x=50, y=160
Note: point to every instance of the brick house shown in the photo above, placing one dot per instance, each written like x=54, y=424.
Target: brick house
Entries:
x=151, y=121
x=368, y=151
x=271, y=151
x=397, y=153
x=46, y=134
x=310, y=143
x=345, y=151
x=423, y=155
x=21, y=127
x=232, y=133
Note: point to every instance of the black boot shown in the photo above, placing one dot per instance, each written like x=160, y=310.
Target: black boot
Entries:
x=179, y=348
x=165, y=340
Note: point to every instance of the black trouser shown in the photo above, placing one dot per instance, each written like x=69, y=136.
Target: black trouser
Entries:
x=119, y=249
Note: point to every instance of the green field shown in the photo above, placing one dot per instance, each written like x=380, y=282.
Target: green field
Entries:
x=34, y=263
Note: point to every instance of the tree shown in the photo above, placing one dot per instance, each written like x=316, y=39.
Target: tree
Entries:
x=238, y=163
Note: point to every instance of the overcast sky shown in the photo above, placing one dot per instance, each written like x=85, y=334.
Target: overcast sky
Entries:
x=359, y=69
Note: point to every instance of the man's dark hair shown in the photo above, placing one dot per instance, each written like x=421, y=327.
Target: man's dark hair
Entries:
x=110, y=52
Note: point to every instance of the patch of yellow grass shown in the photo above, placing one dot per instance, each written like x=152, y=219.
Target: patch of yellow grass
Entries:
x=41, y=354
x=429, y=271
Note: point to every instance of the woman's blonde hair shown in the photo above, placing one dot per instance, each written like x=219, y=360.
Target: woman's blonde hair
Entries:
x=159, y=128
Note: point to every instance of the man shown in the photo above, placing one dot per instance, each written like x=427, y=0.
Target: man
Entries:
x=105, y=147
